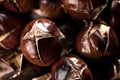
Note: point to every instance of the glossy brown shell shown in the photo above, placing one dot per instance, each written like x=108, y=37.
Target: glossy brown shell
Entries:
x=84, y=9
x=10, y=31
x=97, y=42
x=71, y=67
x=18, y=6
x=41, y=47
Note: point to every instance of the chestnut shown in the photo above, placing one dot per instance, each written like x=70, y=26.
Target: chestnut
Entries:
x=84, y=9
x=40, y=42
x=114, y=19
x=10, y=31
x=114, y=16
x=97, y=41
x=71, y=67
x=18, y=6
x=48, y=8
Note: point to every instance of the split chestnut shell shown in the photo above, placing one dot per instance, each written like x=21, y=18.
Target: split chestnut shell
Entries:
x=71, y=67
x=97, y=41
x=40, y=42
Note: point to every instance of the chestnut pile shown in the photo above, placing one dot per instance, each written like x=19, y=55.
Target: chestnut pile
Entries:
x=59, y=40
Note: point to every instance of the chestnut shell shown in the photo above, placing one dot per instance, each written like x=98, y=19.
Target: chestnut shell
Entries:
x=97, y=41
x=84, y=9
x=77, y=9
x=18, y=6
x=40, y=42
x=71, y=67
x=10, y=31
x=114, y=20
x=49, y=9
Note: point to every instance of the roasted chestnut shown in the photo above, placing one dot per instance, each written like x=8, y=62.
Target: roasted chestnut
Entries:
x=48, y=8
x=40, y=42
x=114, y=16
x=71, y=67
x=97, y=41
x=18, y=6
x=84, y=9
x=10, y=31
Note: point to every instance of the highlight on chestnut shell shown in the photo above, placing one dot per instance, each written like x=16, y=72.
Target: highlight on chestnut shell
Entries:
x=71, y=67
x=40, y=42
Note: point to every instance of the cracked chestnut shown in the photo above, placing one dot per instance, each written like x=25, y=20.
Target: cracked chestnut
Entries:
x=10, y=31
x=96, y=41
x=40, y=42
x=71, y=67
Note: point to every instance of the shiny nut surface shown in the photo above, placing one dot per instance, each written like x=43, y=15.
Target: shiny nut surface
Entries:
x=71, y=67
x=97, y=41
x=40, y=42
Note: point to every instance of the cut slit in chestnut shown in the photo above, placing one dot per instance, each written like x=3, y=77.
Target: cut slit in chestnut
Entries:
x=77, y=70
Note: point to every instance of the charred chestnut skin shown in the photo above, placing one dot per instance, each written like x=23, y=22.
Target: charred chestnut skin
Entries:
x=84, y=9
x=18, y=6
x=71, y=67
x=40, y=42
x=97, y=41
x=10, y=31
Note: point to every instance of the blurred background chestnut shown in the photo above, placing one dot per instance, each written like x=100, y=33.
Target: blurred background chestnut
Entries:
x=40, y=42
x=84, y=9
x=18, y=6
x=10, y=31
x=114, y=19
x=49, y=9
